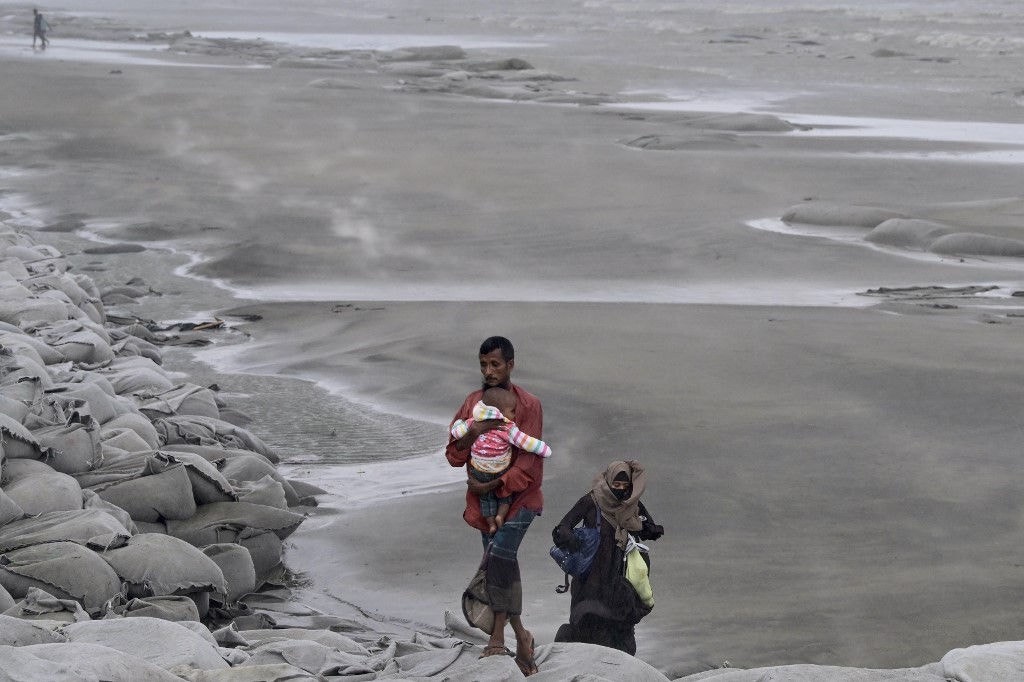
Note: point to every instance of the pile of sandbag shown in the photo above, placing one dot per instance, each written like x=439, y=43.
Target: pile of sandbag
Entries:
x=123, y=493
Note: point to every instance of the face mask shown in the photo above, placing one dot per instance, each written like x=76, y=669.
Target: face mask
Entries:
x=621, y=495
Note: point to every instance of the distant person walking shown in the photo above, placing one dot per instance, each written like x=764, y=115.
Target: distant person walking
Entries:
x=39, y=29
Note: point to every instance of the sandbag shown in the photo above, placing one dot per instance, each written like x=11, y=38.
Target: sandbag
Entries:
x=6, y=600
x=87, y=283
x=984, y=662
x=208, y=484
x=209, y=431
x=280, y=672
x=27, y=309
x=152, y=564
x=183, y=399
x=41, y=606
x=134, y=374
x=48, y=355
x=65, y=283
x=75, y=662
x=214, y=452
x=23, y=247
x=147, y=527
x=112, y=454
x=306, y=492
x=19, y=443
x=56, y=409
x=123, y=440
x=123, y=466
x=16, y=366
x=327, y=638
x=265, y=491
x=162, y=493
x=266, y=550
x=38, y=489
x=313, y=657
x=15, y=348
x=12, y=267
x=15, y=409
x=102, y=406
x=66, y=570
x=139, y=423
x=26, y=390
x=163, y=643
x=76, y=342
x=20, y=632
x=236, y=564
x=9, y=509
x=73, y=448
x=127, y=344
x=90, y=500
x=165, y=607
x=247, y=468
x=93, y=527
x=230, y=521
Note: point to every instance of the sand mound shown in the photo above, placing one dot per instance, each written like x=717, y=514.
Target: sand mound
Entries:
x=974, y=244
x=981, y=228
x=825, y=213
x=912, y=233
x=687, y=142
x=743, y=122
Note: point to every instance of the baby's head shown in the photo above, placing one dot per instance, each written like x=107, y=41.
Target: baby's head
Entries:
x=502, y=399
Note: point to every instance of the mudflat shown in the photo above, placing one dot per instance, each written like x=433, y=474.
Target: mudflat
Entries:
x=828, y=408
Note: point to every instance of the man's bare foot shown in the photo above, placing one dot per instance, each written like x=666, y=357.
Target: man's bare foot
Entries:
x=495, y=650
x=524, y=654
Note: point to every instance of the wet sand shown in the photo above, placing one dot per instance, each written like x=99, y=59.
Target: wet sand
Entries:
x=865, y=476
x=836, y=472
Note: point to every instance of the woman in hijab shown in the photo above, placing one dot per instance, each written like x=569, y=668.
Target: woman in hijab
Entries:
x=605, y=606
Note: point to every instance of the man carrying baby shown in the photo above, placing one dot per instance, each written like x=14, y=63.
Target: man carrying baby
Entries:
x=522, y=481
x=491, y=452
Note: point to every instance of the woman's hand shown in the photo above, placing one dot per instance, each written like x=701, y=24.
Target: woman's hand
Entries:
x=565, y=539
x=651, y=531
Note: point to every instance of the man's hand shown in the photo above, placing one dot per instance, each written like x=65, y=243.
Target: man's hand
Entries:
x=475, y=429
x=479, y=487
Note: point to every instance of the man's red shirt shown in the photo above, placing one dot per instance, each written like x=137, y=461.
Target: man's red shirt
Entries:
x=523, y=479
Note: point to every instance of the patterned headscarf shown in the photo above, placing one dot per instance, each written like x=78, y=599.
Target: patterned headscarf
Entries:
x=624, y=515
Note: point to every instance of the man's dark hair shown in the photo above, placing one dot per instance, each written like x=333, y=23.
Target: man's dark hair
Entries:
x=494, y=343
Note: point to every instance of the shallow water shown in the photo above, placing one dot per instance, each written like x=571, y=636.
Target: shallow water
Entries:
x=280, y=192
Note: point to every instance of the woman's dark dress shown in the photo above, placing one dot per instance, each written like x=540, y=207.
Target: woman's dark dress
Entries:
x=605, y=608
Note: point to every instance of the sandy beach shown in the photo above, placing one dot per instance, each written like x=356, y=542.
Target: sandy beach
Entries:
x=676, y=214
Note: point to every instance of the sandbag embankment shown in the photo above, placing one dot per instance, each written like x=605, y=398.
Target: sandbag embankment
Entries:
x=88, y=491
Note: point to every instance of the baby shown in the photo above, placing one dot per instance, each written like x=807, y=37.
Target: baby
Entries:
x=491, y=453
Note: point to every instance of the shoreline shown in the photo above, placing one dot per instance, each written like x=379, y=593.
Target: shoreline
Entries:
x=319, y=594
x=825, y=469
